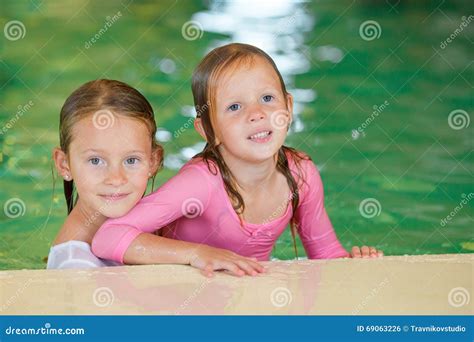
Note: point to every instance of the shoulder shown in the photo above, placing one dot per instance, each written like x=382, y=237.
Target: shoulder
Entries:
x=74, y=230
x=305, y=173
x=201, y=170
x=301, y=165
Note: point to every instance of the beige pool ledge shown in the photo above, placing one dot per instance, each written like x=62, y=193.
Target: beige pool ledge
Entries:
x=406, y=285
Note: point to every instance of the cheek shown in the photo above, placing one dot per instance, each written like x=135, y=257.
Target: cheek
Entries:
x=85, y=181
x=139, y=181
x=229, y=129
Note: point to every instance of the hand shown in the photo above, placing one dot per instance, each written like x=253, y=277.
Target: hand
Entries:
x=210, y=259
x=365, y=252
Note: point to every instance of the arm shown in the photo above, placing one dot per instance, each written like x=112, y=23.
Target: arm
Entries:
x=314, y=227
x=152, y=249
x=185, y=192
x=128, y=239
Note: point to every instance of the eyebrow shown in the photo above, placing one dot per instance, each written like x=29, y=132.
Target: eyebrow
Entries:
x=92, y=150
x=264, y=91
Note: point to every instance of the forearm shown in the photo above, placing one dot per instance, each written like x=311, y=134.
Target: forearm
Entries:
x=152, y=249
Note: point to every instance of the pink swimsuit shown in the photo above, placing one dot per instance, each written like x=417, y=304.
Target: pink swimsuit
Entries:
x=194, y=206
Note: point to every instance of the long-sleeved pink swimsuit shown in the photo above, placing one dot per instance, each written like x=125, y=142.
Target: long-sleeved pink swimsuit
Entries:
x=194, y=206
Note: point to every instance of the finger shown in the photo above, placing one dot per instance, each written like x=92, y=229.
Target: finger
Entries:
x=380, y=253
x=365, y=251
x=373, y=252
x=231, y=267
x=208, y=271
x=355, y=253
x=207, y=274
x=258, y=267
x=247, y=267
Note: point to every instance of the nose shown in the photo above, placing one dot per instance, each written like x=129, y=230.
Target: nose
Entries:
x=116, y=176
x=256, y=113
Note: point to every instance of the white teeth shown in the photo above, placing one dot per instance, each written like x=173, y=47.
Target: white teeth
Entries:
x=260, y=135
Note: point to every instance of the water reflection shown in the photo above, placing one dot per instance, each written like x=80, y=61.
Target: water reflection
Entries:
x=277, y=27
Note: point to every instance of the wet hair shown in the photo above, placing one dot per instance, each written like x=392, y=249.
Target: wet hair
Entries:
x=102, y=95
x=204, y=84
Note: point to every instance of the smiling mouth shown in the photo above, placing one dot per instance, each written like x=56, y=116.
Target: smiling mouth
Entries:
x=260, y=137
x=114, y=197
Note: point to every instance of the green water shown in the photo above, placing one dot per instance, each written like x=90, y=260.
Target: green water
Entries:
x=408, y=157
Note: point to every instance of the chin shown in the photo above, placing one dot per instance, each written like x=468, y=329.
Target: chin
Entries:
x=116, y=212
x=264, y=156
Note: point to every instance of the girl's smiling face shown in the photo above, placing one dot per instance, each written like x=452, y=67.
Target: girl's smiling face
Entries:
x=111, y=166
x=251, y=114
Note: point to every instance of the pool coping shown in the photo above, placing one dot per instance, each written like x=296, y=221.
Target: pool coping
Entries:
x=392, y=285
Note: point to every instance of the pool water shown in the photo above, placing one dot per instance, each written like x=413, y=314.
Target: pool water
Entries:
x=383, y=98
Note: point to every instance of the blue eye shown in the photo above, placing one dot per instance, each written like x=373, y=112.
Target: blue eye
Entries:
x=94, y=161
x=234, y=107
x=132, y=161
x=267, y=98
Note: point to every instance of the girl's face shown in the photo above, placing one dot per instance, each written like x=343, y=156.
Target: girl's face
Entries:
x=251, y=113
x=111, y=166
